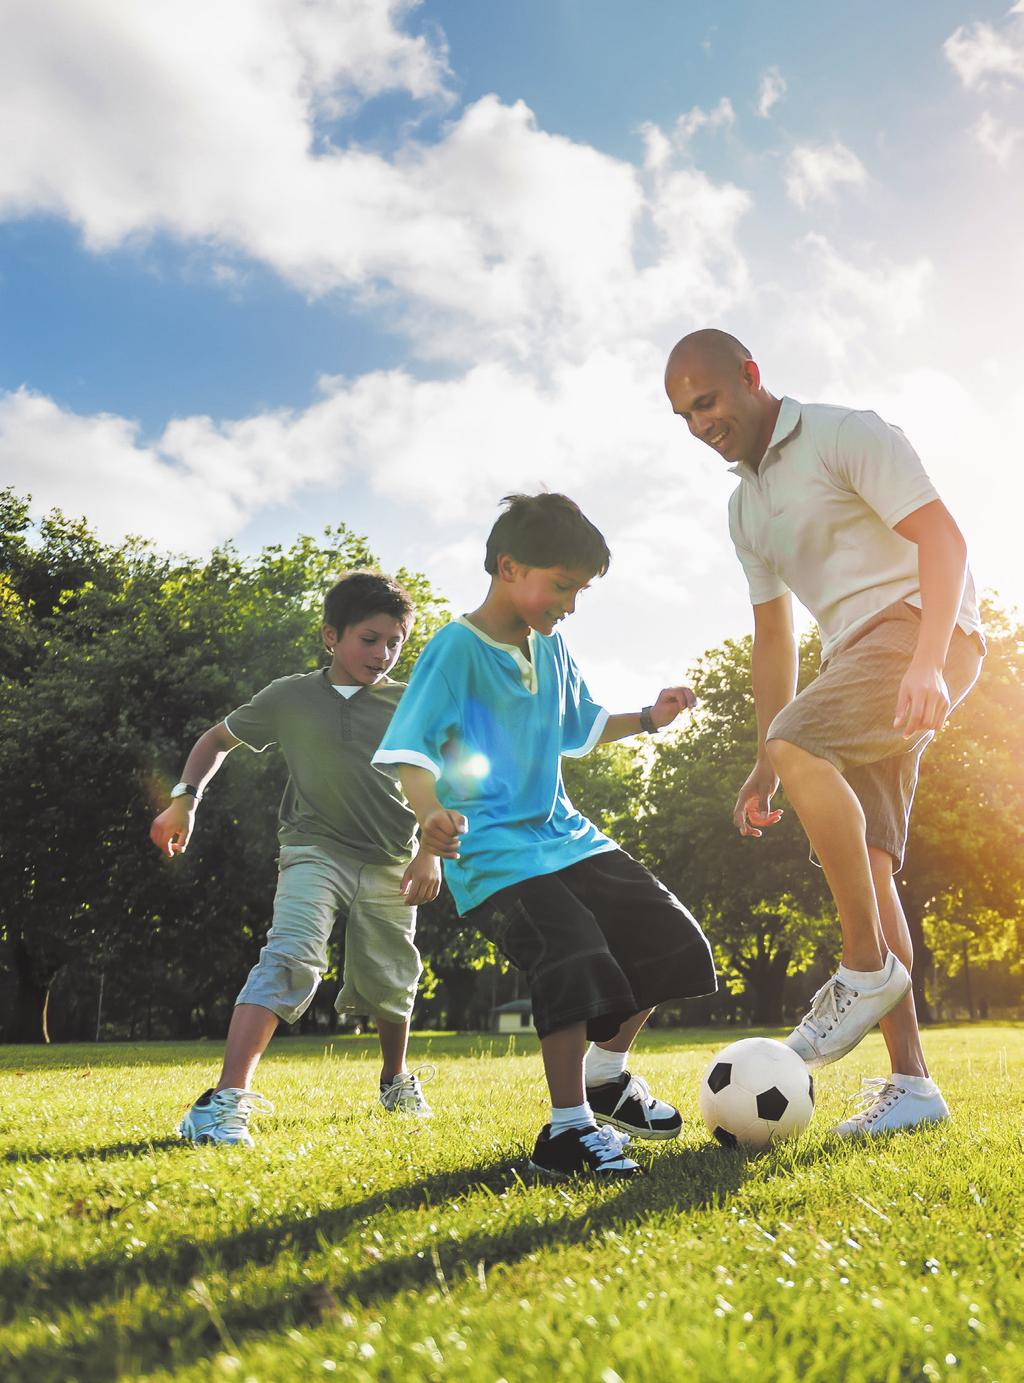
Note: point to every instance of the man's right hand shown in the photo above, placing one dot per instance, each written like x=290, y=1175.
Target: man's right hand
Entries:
x=440, y=833
x=170, y=831
x=753, y=808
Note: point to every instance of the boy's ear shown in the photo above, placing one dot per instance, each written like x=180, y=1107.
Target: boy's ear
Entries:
x=508, y=567
x=329, y=635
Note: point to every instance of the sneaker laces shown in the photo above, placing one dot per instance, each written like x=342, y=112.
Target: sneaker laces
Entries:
x=410, y=1081
x=875, y=1095
x=606, y=1143
x=233, y=1108
x=826, y=1007
x=638, y=1089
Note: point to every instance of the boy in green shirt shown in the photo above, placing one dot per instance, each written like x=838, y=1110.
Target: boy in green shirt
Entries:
x=347, y=839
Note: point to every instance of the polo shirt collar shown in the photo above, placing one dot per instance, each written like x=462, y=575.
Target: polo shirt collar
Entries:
x=785, y=425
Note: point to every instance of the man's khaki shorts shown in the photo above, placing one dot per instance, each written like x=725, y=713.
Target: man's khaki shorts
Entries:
x=846, y=716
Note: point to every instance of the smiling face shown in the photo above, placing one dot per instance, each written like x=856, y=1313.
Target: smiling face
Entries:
x=542, y=596
x=722, y=403
x=364, y=652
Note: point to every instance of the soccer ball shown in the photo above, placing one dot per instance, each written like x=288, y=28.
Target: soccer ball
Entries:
x=755, y=1092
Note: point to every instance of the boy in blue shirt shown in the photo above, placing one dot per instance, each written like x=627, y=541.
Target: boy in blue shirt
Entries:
x=494, y=702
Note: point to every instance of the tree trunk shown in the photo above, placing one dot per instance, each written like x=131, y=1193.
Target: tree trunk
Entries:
x=28, y=1022
x=460, y=991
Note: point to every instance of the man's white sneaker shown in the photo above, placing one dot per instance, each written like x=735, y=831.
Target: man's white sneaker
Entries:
x=886, y=1106
x=404, y=1095
x=223, y=1117
x=841, y=1014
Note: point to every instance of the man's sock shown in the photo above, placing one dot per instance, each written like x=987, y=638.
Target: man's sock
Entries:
x=601, y=1067
x=572, y=1116
x=916, y=1085
x=861, y=979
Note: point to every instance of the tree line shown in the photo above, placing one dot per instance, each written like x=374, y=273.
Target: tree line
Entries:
x=114, y=658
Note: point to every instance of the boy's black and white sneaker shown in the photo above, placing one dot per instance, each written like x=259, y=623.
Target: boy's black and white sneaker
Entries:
x=627, y=1104
x=582, y=1152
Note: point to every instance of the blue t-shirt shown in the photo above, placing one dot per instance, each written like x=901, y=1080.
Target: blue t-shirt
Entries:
x=491, y=726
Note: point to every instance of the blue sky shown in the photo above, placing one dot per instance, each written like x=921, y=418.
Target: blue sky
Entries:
x=268, y=266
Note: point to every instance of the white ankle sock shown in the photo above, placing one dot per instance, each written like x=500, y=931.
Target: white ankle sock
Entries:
x=917, y=1085
x=601, y=1067
x=572, y=1116
x=861, y=979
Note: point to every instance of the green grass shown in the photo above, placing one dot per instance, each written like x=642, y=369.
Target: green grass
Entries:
x=350, y=1244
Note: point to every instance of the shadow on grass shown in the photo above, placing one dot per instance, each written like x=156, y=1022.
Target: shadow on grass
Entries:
x=36, y=1059
x=107, y=1153
x=681, y=1181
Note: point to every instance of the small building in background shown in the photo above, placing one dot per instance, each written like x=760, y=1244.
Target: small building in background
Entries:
x=515, y=1016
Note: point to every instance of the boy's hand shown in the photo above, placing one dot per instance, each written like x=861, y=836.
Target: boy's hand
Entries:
x=440, y=833
x=753, y=807
x=672, y=700
x=170, y=831
x=421, y=881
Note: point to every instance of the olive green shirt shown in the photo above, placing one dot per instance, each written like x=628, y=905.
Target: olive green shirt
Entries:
x=334, y=797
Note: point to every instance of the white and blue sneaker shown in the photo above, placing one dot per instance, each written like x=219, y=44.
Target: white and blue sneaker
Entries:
x=222, y=1116
x=886, y=1106
x=404, y=1095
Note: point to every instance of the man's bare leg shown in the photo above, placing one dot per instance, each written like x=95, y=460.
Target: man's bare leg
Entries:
x=899, y=1028
x=249, y=1032
x=834, y=821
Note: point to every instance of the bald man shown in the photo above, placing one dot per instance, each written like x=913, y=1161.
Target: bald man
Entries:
x=833, y=506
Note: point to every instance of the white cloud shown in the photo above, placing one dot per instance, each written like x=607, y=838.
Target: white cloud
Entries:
x=814, y=171
x=997, y=139
x=206, y=121
x=844, y=306
x=982, y=54
x=719, y=117
x=771, y=91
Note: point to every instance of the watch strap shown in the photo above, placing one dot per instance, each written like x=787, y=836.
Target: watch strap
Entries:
x=646, y=722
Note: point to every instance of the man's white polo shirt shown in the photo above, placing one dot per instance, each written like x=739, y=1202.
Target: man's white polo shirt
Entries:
x=816, y=518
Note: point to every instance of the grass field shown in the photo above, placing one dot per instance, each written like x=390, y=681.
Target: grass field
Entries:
x=351, y=1244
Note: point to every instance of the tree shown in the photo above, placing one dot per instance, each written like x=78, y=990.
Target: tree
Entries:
x=125, y=669
x=962, y=887
x=764, y=906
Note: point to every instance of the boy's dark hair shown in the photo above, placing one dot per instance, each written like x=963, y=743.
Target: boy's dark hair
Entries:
x=546, y=531
x=361, y=594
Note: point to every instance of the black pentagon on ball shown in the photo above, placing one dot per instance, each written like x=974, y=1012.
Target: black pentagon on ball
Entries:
x=720, y=1076
x=771, y=1104
x=810, y=1087
x=727, y=1139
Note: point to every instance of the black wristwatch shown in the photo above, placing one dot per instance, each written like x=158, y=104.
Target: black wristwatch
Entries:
x=184, y=790
x=646, y=723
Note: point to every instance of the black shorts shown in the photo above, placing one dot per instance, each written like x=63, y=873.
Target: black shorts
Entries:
x=599, y=941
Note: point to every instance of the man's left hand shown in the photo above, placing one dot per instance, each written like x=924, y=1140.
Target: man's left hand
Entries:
x=923, y=700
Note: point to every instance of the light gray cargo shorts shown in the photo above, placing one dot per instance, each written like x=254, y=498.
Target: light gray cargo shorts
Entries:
x=382, y=964
x=845, y=716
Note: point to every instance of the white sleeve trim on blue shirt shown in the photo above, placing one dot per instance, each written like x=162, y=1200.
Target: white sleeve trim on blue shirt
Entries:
x=407, y=756
x=596, y=731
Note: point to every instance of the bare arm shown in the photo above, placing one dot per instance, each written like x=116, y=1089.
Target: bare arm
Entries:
x=440, y=828
x=774, y=662
x=671, y=700
x=170, y=831
x=923, y=701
